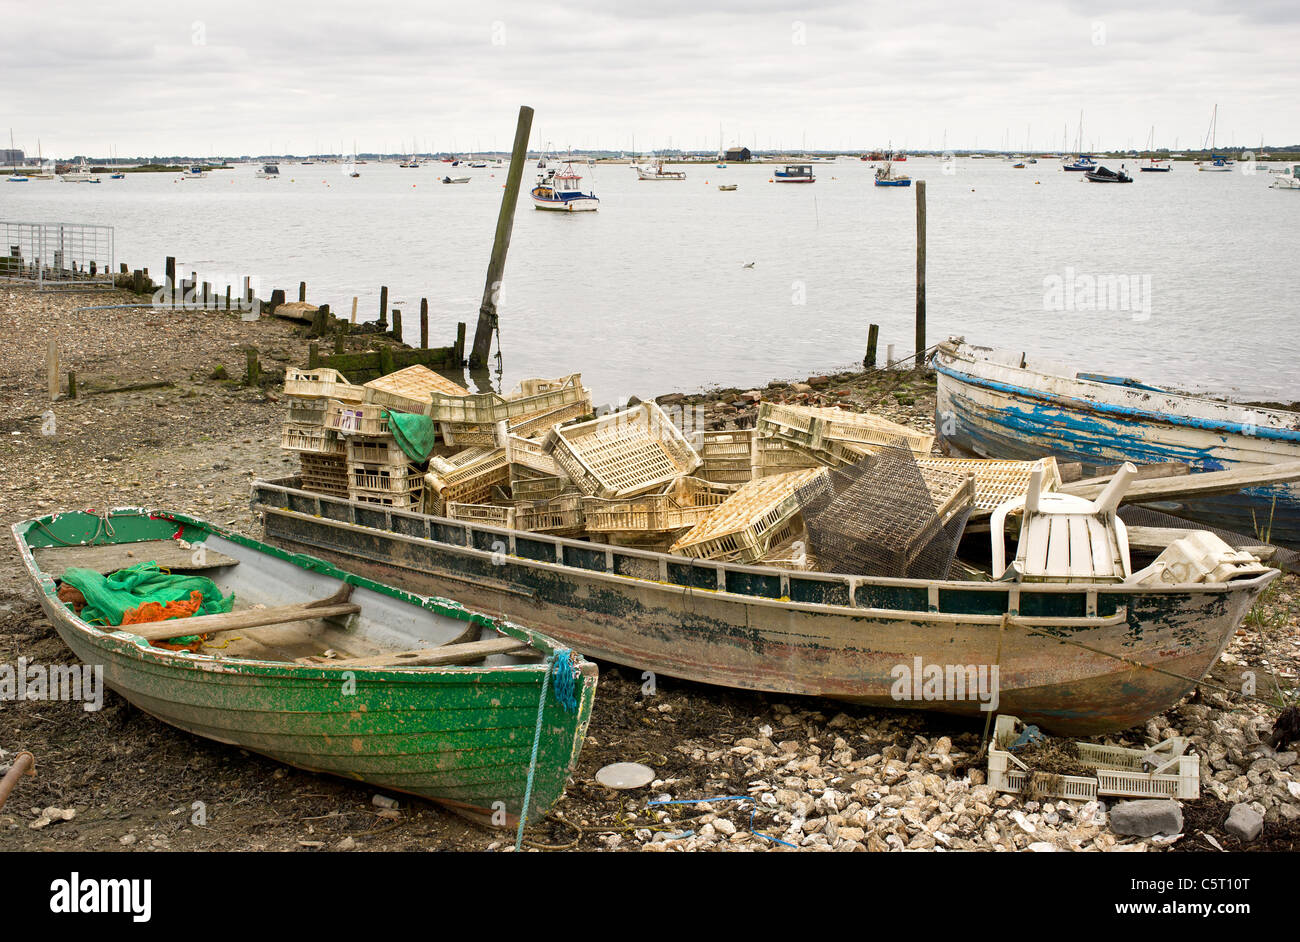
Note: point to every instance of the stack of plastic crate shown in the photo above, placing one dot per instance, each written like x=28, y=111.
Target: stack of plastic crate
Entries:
x=728, y=456
x=410, y=389
x=677, y=506
x=467, y=477
x=322, y=453
x=836, y=436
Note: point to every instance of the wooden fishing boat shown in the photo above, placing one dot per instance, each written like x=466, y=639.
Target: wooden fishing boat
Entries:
x=1064, y=651
x=998, y=404
x=325, y=670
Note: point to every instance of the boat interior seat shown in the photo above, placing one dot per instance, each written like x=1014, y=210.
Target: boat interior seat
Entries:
x=1064, y=538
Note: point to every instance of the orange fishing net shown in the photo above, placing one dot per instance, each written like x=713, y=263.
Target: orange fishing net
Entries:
x=156, y=611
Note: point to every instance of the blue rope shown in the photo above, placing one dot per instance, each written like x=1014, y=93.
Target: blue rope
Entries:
x=532, y=763
x=566, y=689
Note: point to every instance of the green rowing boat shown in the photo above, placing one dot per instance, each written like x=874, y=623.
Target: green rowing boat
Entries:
x=326, y=670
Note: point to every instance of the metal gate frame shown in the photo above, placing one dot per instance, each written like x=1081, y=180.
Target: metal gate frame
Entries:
x=57, y=254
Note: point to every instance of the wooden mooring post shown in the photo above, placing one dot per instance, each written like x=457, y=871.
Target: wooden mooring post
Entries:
x=52, y=369
x=424, y=323
x=873, y=335
x=397, y=325
x=252, y=368
x=354, y=309
x=383, y=304
x=920, y=274
x=487, y=312
x=302, y=291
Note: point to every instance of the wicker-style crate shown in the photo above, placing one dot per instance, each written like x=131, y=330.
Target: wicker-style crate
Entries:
x=321, y=383
x=996, y=482
x=486, y=409
x=465, y=480
x=306, y=411
x=315, y=439
x=324, y=474
x=811, y=426
x=408, y=389
x=561, y=514
x=357, y=418
x=681, y=504
x=624, y=453
x=760, y=515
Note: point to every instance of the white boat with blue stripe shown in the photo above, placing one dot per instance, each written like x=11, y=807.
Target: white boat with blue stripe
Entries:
x=559, y=192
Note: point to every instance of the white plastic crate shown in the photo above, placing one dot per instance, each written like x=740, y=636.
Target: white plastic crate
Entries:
x=356, y=418
x=321, y=383
x=310, y=438
x=532, y=397
x=1162, y=771
x=624, y=453
x=760, y=515
x=409, y=389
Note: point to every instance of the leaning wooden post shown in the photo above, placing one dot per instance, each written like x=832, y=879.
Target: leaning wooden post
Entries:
x=920, y=273
x=873, y=335
x=52, y=369
x=424, y=323
x=487, y=311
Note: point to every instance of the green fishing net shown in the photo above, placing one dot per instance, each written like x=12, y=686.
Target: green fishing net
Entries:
x=109, y=598
x=415, y=434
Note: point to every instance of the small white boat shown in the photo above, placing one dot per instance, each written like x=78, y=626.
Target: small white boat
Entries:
x=558, y=192
x=196, y=173
x=269, y=172
x=655, y=171
x=478, y=164
x=727, y=187
x=455, y=179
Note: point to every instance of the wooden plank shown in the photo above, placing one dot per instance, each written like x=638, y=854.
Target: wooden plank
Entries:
x=442, y=656
x=111, y=557
x=231, y=621
x=1188, y=486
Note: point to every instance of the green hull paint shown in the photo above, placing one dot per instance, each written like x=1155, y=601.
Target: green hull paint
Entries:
x=457, y=734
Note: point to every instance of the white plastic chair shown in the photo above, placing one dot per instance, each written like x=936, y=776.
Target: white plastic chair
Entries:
x=1064, y=538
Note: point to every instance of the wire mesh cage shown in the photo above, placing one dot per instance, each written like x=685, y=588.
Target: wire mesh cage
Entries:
x=57, y=254
x=884, y=517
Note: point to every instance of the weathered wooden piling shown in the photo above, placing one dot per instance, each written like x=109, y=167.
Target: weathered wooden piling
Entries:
x=920, y=273
x=52, y=369
x=302, y=291
x=383, y=304
x=397, y=325
x=873, y=335
x=487, y=312
x=354, y=309
x=424, y=323
x=169, y=272
x=72, y=384
x=252, y=368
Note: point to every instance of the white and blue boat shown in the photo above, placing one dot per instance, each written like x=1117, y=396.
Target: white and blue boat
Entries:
x=559, y=192
x=997, y=404
x=795, y=173
x=1083, y=163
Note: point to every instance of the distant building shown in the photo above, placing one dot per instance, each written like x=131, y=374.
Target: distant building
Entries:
x=737, y=154
x=11, y=156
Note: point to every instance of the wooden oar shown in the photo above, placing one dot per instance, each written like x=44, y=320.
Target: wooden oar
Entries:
x=444, y=655
x=335, y=605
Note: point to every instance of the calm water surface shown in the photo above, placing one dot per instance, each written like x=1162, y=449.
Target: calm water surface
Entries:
x=650, y=294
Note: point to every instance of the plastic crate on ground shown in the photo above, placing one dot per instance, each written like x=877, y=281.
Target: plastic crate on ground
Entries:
x=389, y=478
x=526, y=484
x=729, y=456
x=624, y=453
x=310, y=438
x=1165, y=770
x=375, y=450
x=811, y=426
x=409, y=500
x=563, y=514
x=683, y=503
x=995, y=481
x=526, y=426
x=777, y=456
x=321, y=383
x=532, y=397
x=409, y=389
x=760, y=515
x=306, y=411
x=356, y=418
x=467, y=478
x=324, y=474
x=491, y=514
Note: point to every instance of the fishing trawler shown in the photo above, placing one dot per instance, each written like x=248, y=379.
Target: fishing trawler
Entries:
x=558, y=191
x=795, y=173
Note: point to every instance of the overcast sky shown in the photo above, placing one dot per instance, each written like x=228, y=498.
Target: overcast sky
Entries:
x=291, y=76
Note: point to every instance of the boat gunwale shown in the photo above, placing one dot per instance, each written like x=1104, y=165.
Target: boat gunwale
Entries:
x=1288, y=432
x=1013, y=590
x=124, y=642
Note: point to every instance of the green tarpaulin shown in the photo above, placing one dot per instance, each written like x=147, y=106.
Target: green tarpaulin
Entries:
x=108, y=598
x=415, y=434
